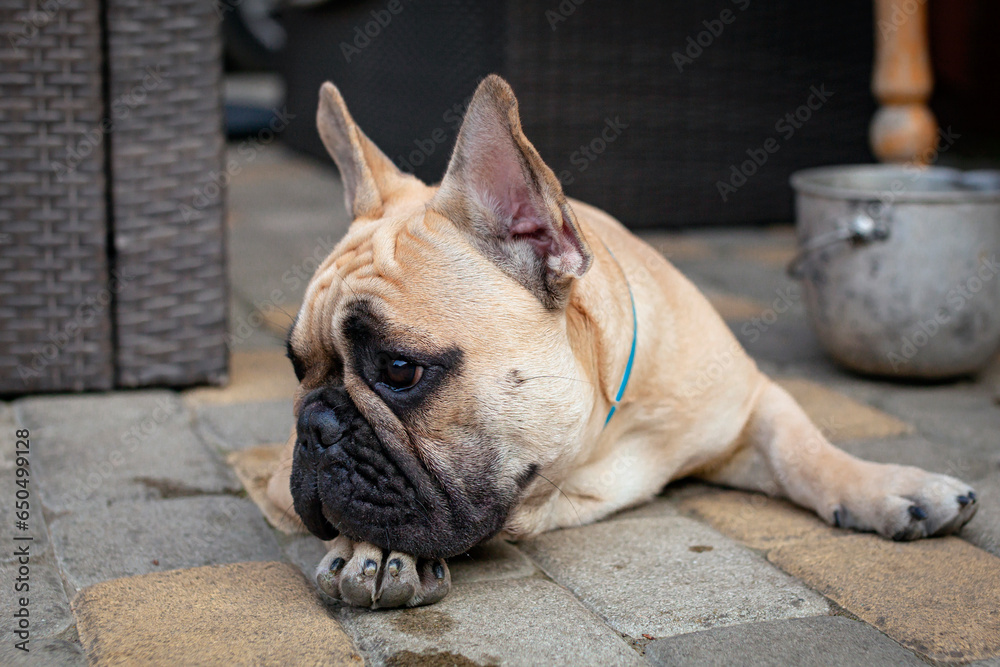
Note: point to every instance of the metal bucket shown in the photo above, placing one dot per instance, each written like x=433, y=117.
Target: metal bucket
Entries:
x=900, y=267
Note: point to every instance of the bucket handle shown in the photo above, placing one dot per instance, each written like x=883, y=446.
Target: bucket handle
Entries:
x=860, y=229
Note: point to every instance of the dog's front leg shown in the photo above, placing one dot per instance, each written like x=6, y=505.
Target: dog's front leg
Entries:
x=783, y=453
x=365, y=575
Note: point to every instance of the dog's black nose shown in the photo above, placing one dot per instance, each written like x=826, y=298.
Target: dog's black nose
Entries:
x=320, y=426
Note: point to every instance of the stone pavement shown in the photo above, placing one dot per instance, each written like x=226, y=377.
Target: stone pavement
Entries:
x=154, y=544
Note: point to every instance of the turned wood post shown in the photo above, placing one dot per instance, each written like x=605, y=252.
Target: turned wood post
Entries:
x=903, y=129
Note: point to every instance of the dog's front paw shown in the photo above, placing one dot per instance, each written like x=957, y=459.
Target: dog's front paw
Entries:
x=364, y=575
x=905, y=503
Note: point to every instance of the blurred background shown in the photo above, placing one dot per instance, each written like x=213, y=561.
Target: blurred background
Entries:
x=165, y=196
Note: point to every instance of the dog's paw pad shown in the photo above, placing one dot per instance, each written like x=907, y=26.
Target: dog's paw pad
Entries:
x=362, y=575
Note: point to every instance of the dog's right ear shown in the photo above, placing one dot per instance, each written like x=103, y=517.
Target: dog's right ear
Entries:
x=369, y=176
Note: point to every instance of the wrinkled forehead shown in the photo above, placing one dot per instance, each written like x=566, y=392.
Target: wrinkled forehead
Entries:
x=411, y=277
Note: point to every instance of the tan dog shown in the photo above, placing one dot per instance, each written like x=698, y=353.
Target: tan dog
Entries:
x=461, y=349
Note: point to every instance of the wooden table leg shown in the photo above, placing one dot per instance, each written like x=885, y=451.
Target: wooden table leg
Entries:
x=903, y=129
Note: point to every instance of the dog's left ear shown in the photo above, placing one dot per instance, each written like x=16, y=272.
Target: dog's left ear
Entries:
x=500, y=192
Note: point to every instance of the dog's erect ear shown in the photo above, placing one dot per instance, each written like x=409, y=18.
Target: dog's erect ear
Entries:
x=369, y=176
x=498, y=190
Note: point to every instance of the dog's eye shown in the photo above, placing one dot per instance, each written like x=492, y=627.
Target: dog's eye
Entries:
x=398, y=374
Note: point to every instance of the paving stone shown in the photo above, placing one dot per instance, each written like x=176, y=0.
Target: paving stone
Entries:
x=961, y=414
x=984, y=529
x=733, y=275
x=254, y=468
x=756, y=520
x=48, y=606
x=490, y=561
x=243, y=425
x=735, y=308
x=123, y=446
x=245, y=613
x=304, y=551
x=511, y=622
x=678, y=247
x=777, y=256
x=668, y=576
x=50, y=652
x=949, y=458
x=841, y=417
x=255, y=376
x=938, y=597
x=803, y=642
x=787, y=341
x=132, y=538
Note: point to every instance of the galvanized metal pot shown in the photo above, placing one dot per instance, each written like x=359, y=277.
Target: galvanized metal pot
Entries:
x=900, y=267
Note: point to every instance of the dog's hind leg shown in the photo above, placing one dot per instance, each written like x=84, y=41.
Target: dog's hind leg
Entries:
x=782, y=453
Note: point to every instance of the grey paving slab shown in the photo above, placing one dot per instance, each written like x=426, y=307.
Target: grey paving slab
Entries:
x=48, y=605
x=303, y=551
x=129, y=538
x=122, y=446
x=669, y=576
x=804, y=642
x=510, y=622
x=786, y=342
x=963, y=414
x=984, y=529
x=52, y=652
x=490, y=561
x=949, y=458
x=243, y=425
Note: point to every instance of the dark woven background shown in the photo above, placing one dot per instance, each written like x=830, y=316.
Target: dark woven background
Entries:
x=608, y=60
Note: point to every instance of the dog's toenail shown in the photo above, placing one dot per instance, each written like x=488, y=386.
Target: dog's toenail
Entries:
x=371, y=567
x=972, y=496
x=918, y=512
x=395, y=566
x=964, y=500
x=438, y=571
x=336, y=565
x=836, y=518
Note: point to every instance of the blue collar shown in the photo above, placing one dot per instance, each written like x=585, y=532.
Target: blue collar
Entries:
x=635, y=337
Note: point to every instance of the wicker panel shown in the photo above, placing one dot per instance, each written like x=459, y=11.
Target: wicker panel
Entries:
x=169, y=182
x=55, y=294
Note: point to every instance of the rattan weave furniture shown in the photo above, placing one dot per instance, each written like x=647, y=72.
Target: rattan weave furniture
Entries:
x=112, y=268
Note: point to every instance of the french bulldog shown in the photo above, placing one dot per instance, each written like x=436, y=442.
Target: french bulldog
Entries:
x=489, y=357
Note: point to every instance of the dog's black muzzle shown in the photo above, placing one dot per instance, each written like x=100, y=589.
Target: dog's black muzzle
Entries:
x=346, y=480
